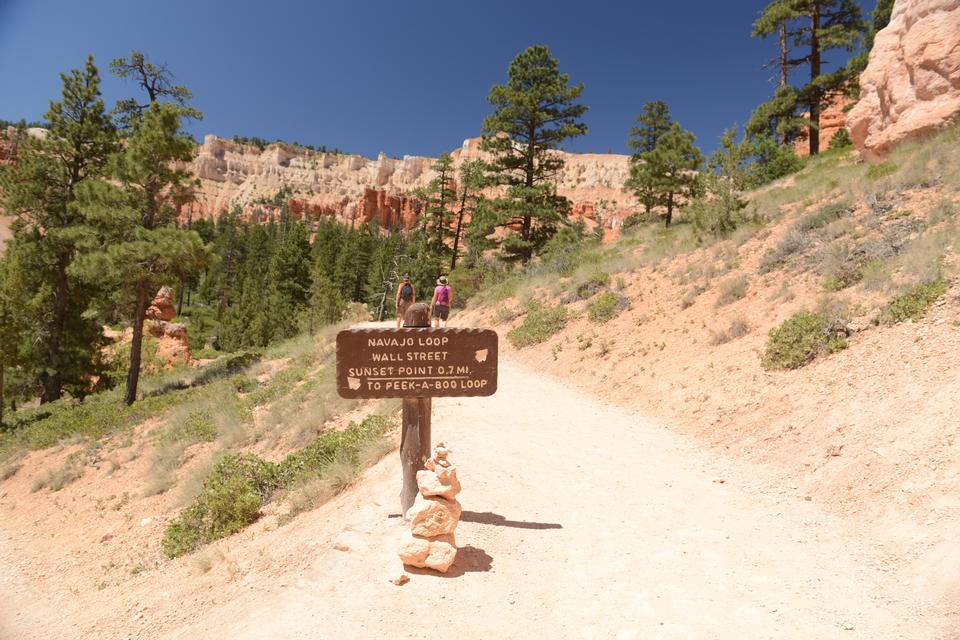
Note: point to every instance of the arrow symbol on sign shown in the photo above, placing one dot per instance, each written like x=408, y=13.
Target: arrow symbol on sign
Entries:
x=481, y=355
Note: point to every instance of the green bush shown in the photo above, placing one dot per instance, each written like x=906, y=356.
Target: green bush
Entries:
x=230, y=500
x=539, y=324
x=840, y=140
x=594, y=283
x=240, y=484
x=913, y=304
x=801, y=338
x=606, y=307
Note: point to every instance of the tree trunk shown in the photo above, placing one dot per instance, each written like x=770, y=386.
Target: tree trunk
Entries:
x=456, y=236
x=783, y=54
x=669, y=216
x=815, y=93
x=136, y=346
x=53, y=382
x=180, y=298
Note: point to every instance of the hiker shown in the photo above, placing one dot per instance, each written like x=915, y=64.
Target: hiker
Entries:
x=406, y=296
x=440, y=305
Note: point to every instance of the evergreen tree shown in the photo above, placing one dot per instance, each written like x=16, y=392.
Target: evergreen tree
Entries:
x=156, y=81
x=291, y=265
x=139, y=248
x=40, y=190
x=13, y=320
x=819, y=26
x=472, y=180
x=441, y=196
x=778, y=118
x=653, y=121
x=669, y=170
x=534, y=113
x=325, y=305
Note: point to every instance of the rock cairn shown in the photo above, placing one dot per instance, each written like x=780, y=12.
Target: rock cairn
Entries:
x=434, y=515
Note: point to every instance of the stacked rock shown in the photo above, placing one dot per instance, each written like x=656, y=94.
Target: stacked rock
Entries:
x=434, y=515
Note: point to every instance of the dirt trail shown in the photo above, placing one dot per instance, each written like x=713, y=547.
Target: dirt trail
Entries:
x=582, y=520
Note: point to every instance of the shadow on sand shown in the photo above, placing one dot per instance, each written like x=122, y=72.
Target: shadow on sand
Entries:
x=469, y=560
x=498, y=520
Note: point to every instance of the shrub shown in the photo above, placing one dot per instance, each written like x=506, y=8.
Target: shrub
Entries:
x=737, y=329
x=801, y=338
x=593, y=284
x=719, y=213
x=880, y=170
x=606, y=307
x=823, y=216
x=230, y=500
x=840, y=140
x=732, y=290
x=539, y=324
x=794, y=241
x=240, y=484
x=913, y=304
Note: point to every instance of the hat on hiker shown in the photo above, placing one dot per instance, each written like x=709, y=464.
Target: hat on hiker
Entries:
x=406, y=277
x=442, y=280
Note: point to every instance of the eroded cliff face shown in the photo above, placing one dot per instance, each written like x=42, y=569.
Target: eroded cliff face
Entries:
x=911, y=85
x=356, y=190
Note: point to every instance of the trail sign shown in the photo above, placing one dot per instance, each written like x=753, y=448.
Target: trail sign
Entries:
x=416, y=363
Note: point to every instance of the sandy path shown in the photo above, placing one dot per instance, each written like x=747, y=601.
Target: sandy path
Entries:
x=582, y=520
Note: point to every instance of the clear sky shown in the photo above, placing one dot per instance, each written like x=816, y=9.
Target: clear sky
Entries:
x=402, y=77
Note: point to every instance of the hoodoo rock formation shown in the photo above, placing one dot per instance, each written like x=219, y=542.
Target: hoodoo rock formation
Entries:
x=357, y=190
x=911, y=85
x=434, y=516
x=173, y=346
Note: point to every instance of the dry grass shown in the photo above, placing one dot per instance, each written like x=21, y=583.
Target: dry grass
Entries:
x=732, y=290
x=59, y=477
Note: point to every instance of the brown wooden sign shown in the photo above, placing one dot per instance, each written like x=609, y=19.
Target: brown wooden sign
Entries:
x=416, y=363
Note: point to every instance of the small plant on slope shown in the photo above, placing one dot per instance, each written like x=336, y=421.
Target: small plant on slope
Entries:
x=914, y=304
x=606, y=307
x=539, y=324
x=801, y=338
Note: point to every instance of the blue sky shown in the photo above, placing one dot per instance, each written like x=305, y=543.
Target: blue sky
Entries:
x=400, y=77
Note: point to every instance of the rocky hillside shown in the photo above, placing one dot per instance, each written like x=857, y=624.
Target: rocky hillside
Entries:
x=357, y=190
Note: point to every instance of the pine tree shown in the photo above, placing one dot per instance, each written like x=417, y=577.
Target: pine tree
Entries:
x=654, y=121
x=13, y=321
x=441, y=196
x=156, y=81
x=820, y=26
x=534, y=113
x=40, y=190
x=472, y=180
x=291, y=265
x=139, y=248
x=669, y=170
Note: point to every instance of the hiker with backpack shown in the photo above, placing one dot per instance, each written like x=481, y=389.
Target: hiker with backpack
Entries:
x=440, y=305
x=406, y=296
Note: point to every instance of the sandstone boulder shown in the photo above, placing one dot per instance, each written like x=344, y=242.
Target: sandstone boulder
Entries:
x=911, y=85
x=431, y=483
x=433, y=516
x=162, y=306
x=436, y=553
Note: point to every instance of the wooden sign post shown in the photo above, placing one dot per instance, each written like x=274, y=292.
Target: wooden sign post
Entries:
x=416, y=363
